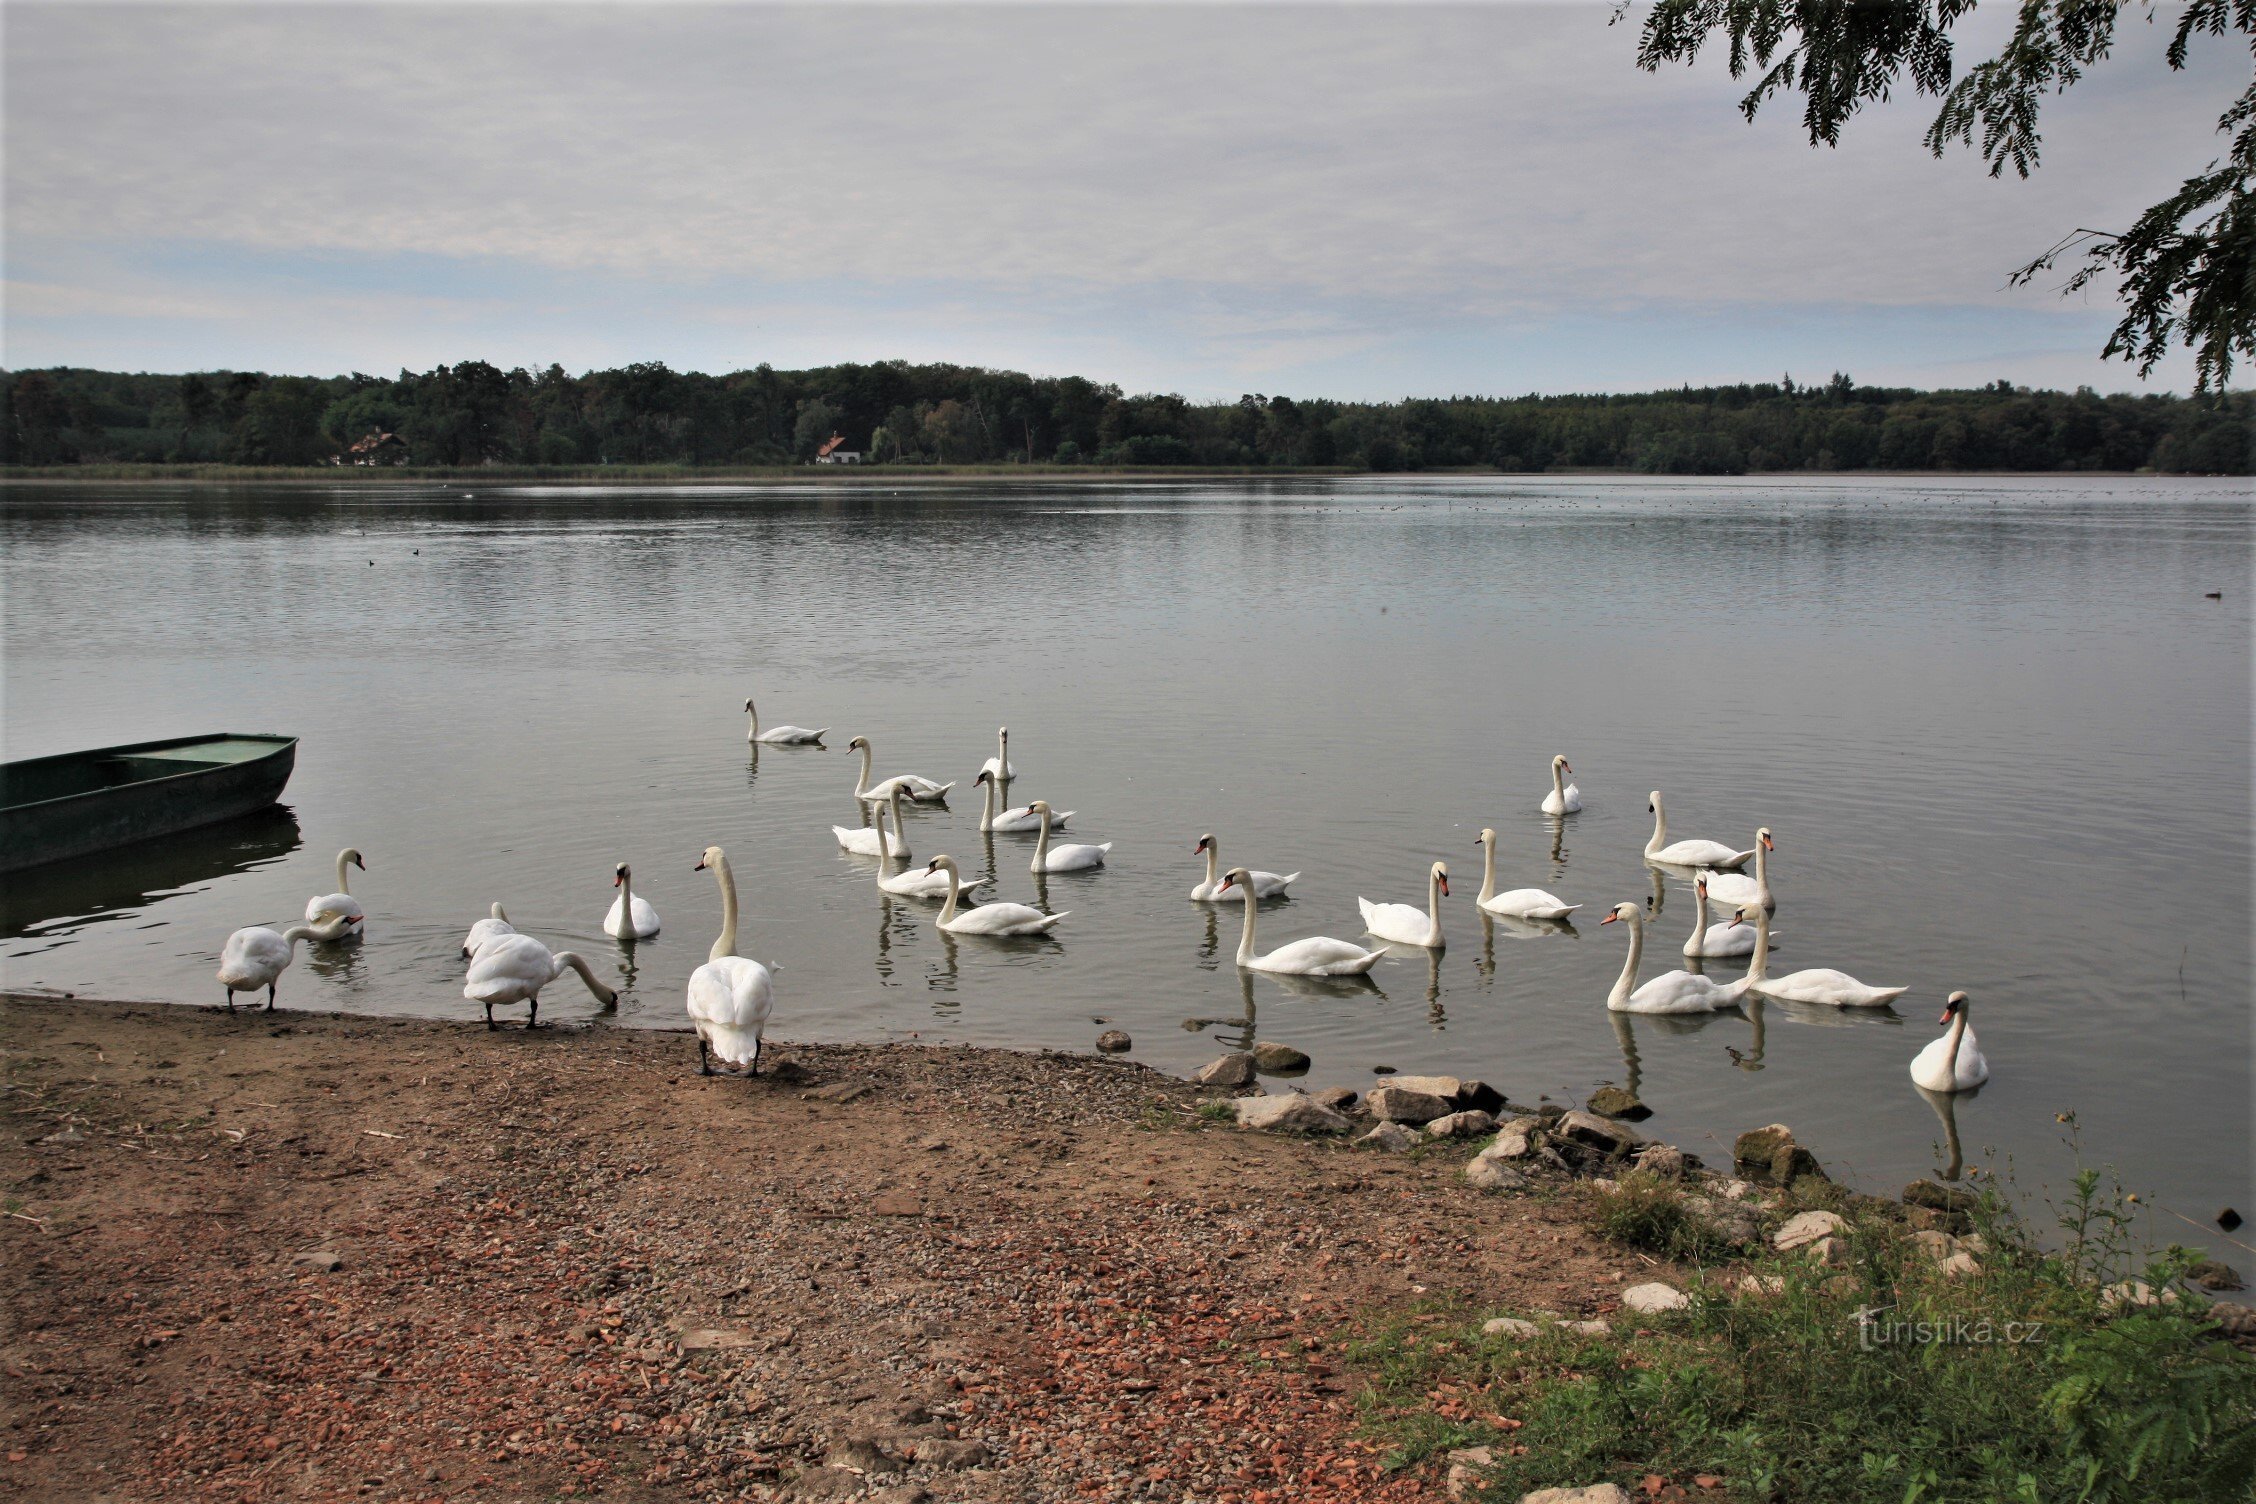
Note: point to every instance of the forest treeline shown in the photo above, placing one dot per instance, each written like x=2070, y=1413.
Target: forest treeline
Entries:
x=894, y=412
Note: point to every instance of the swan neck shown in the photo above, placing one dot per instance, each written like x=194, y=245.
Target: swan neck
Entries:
x=726, y=944
x=1559, y=783
x=297, y=932
x=1758, y=964
x=1213, y=863
x=1957, y=1042
x=1488, y=872
x=1660, y=829
x=1245, y=938
x=955, y=886
x=343, y=867
x=753, y=711
x=987, y=806
x=1042, y=844
x=572, y=959
x=1699, y=917
x=1631, y=961
x=884, y=847
x=626, y=896
x=862, y=788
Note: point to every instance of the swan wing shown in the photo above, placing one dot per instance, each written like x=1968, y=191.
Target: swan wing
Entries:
x=336, y=905
x=1318, y=955
x=1397, y=921
x=252, y=957
x=509, y=969
x=1677, y=992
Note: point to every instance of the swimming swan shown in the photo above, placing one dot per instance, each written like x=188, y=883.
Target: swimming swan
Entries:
x=631, y=918
x=256, y=957
x=1737, y=890
x=1316, y=956
x=730, y=996
x=988, y=918
x=780, y=735
x=1687, y=853
x=999, y=765
x=865, y=841
x=1954, y=1062
x=1717, y=941
x=486, y=929
x=1564, y=798
x=1074, y=856
x=514, y=968
x=923, y=790
x=1259, y=884
x=1670, y=992
x=918, y=882
x=1817, y=984
x=1406, y=924
x=340, y=903
x=1518, y=903
x=1010, y=820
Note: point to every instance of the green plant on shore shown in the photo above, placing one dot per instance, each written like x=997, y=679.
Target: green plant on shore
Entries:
x=1644, y=1211
x=1875, y=1380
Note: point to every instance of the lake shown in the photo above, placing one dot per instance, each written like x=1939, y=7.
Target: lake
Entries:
x=2002, y=737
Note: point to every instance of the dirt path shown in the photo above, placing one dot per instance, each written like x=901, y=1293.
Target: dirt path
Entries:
x=567, y=1265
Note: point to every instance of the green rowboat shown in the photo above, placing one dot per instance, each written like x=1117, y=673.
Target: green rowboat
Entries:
x=77, y=803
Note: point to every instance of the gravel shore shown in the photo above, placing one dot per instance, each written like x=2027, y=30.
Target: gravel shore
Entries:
x=294, y=1256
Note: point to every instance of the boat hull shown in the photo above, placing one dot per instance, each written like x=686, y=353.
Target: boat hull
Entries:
x=56, y=808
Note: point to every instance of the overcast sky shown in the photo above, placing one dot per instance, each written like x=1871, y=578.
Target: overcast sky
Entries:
x=1337, y=201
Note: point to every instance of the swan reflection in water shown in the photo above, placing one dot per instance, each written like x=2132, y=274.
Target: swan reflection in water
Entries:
x=1626, y=1026
x=1945, y=1104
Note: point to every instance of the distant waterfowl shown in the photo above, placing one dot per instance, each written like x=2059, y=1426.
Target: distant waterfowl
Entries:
x=923, y=790
x=256, y=957
x=779, y=735
x=1735, y=890
x=1316, y=956
x=1564, y=798
x=486, y=929
x=1954, y=1062
x=1075, y=856
x=730, y=996
x=631, y=918
x=917, y=882
x=1024, y=817
x=1712, y=942
x=1515, y=903
x=999, y=765
x=1670, y=992
x=340, y=903
x=1259, y=884
x=514, y=968
x=1001, y=919
x=1407, y=924
x=865, y=841
x=1816, y=984
x=1687, y=853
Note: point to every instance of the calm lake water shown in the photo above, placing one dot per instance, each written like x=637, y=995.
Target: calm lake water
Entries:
x=2002, y=737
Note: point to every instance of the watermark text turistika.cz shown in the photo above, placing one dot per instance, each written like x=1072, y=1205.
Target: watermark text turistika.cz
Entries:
x=1875, y=1330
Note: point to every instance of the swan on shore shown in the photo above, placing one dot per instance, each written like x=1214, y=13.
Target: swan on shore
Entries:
x=340, y=904
x=514, y=968
x=1687, y=853
x=256, y=957
x=730, y=996
x=1407, y=924
x=496, y=924
x=1316, y=956
x=1954, y=1062
x=1259, y=884
x=1564, y=798
x=779, y=735
x=1671, y=991
x=630, y=918
x=1515, y=903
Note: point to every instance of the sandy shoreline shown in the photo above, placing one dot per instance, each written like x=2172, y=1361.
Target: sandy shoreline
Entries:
x=567, y=1265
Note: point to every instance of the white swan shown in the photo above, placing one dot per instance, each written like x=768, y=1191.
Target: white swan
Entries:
x=999, y=765
x=1564, y=798
x=1717, y=941
x=730, y=996
x=917, y=882
x=486, y=929
x=1010, y=820
x=1074, y=856
x=779, y=735
x=1687, y=853
x=988, y=918
x=514, y=968
x=631, y=918
x=256, y=957
x=1407, y=924
x=1816, y=984
x=1316, y=956
x=1954, y=1062
x=1517, y=903
x=1670, y=992
x=865, y=841
x=341, y=903
x=1734, y=890
x=1259, y=884
x=923, y=790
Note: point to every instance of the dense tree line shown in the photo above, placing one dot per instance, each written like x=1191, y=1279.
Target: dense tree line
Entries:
x=897, y=413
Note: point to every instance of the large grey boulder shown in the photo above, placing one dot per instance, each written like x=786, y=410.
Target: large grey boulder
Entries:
x=1232, y=1070
x=1805, y=1228
x=1462, y=1125
x=1291, y=1113
x=1594, y=1132
x=1494, y=1174
x=1392, y=1137
x=1279, y=1059
x=1402, y=1104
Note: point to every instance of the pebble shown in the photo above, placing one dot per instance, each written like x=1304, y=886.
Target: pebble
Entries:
x=1653, y=1297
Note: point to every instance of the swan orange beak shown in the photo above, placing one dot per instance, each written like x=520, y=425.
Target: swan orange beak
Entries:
x=1769, y=844
x=1948, y=1010
x=1609, y=919
x=1445, y=885
x=700, y=867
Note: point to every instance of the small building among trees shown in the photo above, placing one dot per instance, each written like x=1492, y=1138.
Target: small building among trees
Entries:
x=832, y=452
x=374, y=448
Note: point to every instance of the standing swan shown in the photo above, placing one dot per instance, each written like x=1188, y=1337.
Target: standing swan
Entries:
x=1737, y=890
x=923, y=790
x=779, y=735
x=1670, y=992
x=1406, y=924
x=866, y=841
x=1953, y=1062
x=631, y=918
x=1519, y=903
x=340, y=904
x=1564, y=798
x=1721, y=940
x=1316, y=956
x=256, y=957
x=1817, y=984
x=999, y=765
x=1074, y=856
x=1259, y=884
x=730, y=996
x=485, y=930
x=514, y=968
x=1021, y=818
x=1687, y=853
x=988, y=918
